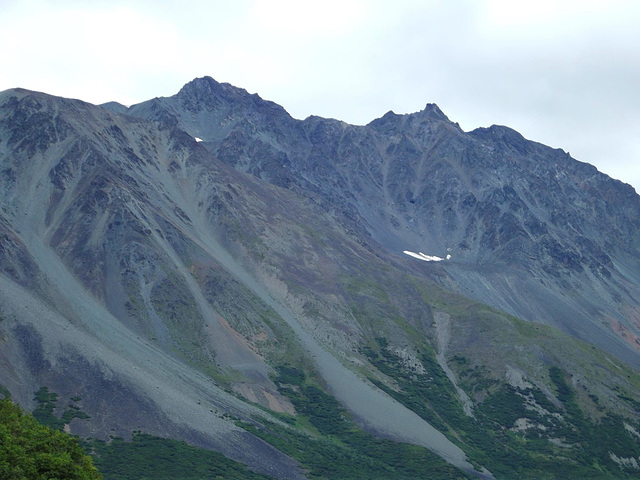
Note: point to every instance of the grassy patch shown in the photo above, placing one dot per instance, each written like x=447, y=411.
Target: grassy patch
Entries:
x=149, y=457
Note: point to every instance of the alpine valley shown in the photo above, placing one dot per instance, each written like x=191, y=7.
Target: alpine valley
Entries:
x=202, y=285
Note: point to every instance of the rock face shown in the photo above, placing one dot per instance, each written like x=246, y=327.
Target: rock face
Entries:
x=167, y=262
x=529, y=229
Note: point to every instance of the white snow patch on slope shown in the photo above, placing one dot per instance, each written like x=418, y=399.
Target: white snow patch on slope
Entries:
x=426, y=258
x=198, y=139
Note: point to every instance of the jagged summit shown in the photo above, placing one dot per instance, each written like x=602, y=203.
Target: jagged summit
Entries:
x=431, y=111
x=203, y=92
x=207, y=93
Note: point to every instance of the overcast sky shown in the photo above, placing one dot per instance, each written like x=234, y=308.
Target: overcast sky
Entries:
x=564, y=73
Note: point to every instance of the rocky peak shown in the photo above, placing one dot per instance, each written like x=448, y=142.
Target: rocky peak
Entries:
x=418, y=124
x=431, y=110
x=206, y=94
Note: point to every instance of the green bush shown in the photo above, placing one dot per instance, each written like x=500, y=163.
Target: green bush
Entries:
x=149, y=457
x=31, y=451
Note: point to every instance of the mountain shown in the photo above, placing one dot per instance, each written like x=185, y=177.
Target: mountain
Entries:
x=530, y=230
x=204, y=267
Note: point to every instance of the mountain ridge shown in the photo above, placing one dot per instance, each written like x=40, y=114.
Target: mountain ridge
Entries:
x=187, y=282
x=472, y=173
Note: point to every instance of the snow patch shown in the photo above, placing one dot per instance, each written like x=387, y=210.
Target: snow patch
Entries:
x=198, y=139
x=426, y=258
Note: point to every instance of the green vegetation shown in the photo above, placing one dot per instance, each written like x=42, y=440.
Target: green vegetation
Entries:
x=31, y=451
x=327, y=442
x=4, y=392
x=143, y=457
x=593, y=441
x=37, y=451
x=432, y=396
x=580, y=448
x=46, y=405
x=149, y=457
x=515, y=432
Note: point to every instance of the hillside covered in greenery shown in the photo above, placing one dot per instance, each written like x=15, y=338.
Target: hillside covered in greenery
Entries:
x=30, y=450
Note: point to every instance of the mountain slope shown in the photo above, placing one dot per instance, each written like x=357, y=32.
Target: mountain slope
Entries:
x=529, y=230
x=118, y=241
x=177, y=295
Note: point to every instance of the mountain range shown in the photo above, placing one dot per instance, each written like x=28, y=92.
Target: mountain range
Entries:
x=204, y=267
